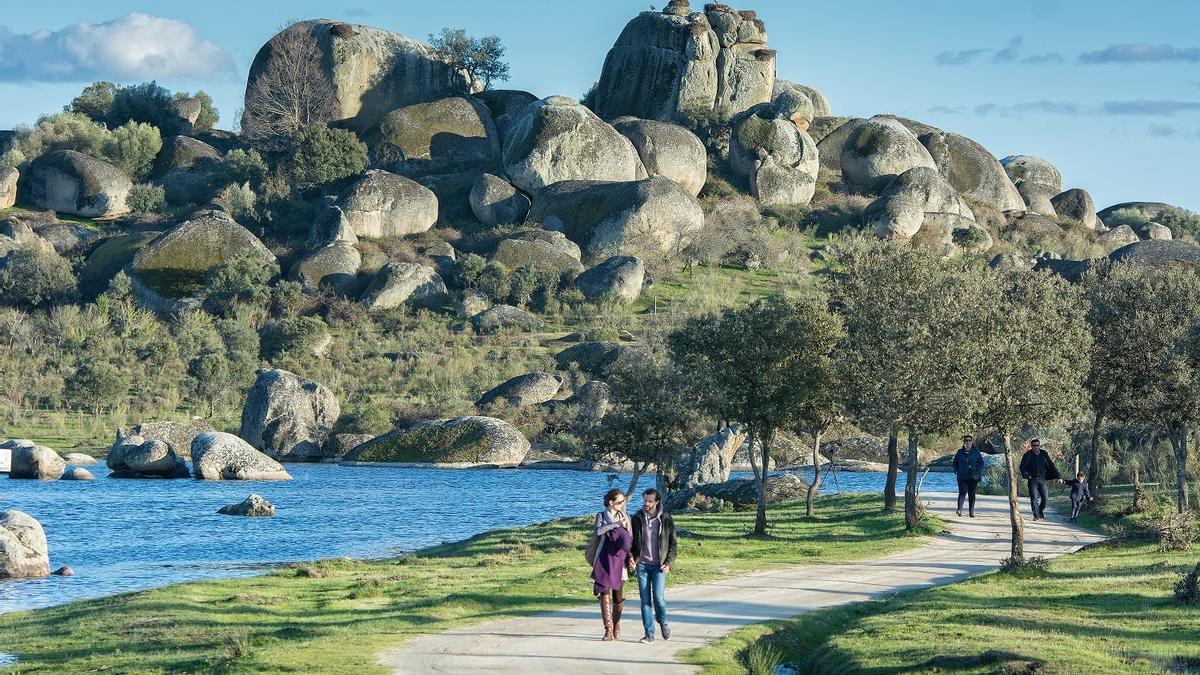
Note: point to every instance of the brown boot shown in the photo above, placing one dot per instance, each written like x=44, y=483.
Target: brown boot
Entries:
x=606, y=609
x=618, y=607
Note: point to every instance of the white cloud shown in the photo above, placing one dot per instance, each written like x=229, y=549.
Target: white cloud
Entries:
x=133, y=47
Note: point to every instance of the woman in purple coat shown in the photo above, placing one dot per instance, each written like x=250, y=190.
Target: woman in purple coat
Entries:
x=616, y=536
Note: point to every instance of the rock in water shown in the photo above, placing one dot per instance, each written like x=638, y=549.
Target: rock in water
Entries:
x=374, y=71
x=383, y=204
x=777, y=158
x=253, y=505
x=682, y=66
x=288, y=417
x=177, y=435
x=557, y=139
x=712, y=458
x=77, y=473
x=217, y=455
x=652, y=218
x=79, y=458
x=973, y=171
x=71, y=182
x=24, y=553
x=64, y=571
x=523, y=390
x=36, y=462
x=668, y=150
x=878, y=151
x=133, y=456
x=617, y=278
x=399, y=283
x=459, y=440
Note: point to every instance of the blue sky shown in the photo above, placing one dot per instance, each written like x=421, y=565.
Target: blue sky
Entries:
x=1107, y=90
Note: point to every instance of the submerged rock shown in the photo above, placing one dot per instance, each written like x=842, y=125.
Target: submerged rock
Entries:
x=253, y=505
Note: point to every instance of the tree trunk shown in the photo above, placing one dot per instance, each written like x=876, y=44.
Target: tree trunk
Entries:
x=911, y=517
x=1014, y=510
x=1094, y=466
x=760, y=520
x=638, y=470
x=816, y=481
x=889, y=488
x=1179, y=443
x=750, y=454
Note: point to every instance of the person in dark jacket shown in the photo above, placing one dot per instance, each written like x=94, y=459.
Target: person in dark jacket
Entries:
x=653, y=551
x=1080, y=494
x=968, y=468
x=1038, y=469
x=608, y=571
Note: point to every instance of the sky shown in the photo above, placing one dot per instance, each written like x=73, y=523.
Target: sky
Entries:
x=1107, y=90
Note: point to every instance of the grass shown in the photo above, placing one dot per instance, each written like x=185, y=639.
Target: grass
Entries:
x=337, y=615
x=79, y=431
x=1105, y=609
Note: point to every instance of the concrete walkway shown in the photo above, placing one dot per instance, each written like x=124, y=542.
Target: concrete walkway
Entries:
x=567, y=641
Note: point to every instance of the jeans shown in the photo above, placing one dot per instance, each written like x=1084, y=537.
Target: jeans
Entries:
x=652, y=586
x=966, y=488
x=1075, y=507
x=1037, y=489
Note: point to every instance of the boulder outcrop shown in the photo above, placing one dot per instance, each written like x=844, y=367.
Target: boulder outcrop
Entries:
x=71, y=182
x=383, y=204
x=668, y=150
x=287, y=416
x=398, y=283
x=217, y=455
x=617, y=278
x=901, y=209
x=777, y=157
x=469, y=440
x=24, y=553
x=879, y=150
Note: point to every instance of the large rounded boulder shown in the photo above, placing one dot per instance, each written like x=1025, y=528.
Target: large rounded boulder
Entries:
x=1038, y=197
x=372, y=71
x=1033, y=170
x=185, y=152
x=683, y=66
x=523, y=390
x=133, y=456
x=1151, y=210
x=557, y=139
x=287, y=416
x=878, y=151
x=36, y=462
x=1077, y=205
x=667, y=150
x=472, y=440
x=8, y=186
x=334, y=267
x=831, y=134
x=24, y=553
x=902, y=208
x=449, y=135
x=495, y=201
x=217, y=455
x=818, y=101
x=71, y=182
x=618, y=278
x=398, y=283
x=383, y=204
x=503, y=317
x=777, y=158
x=711, y=460
x=543, y=250
x=649, y=218
x=973, y=171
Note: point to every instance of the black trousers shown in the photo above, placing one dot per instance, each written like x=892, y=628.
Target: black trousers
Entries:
x=1038, y=496
x=966, y=488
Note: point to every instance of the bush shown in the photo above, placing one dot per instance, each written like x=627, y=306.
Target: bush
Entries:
x=95, y=101
x=1020, y=566
x=243, y=166
x=146, y=198
x=132, y=147
x=1131, y=217
x=146, y=102
x=1184, y=224
x=1175, y=531
x=244, y=279
x=34, y=279
x=61, y=131
x=969, y=237
x=96, y=384
x=762, y=659
x=240, y=199
x=325, y=155
x=293, y=337
x=1187, y=589
x=494, y=281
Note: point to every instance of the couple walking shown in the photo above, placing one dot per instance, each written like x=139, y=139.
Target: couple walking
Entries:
x=644, y=544
x=1037, y=468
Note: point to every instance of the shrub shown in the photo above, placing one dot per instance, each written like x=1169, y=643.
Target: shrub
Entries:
x=1184, y=224
x=1021, y=566
x=522, y=283
x=494, y=281
x=243, y=166
x=1131, y=217
x=762, y=659
x=244, y=278
x=1187, y=589
x=96, y=384
x=31, y=278
x=293, y=337
x=325, y=155
x=469, y=269
x=969, y=237
x=1175, y=531
x=146, y=198
x=240, y=200
x=60, y=131
x=132, y=147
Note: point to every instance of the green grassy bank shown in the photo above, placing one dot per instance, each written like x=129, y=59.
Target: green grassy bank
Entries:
x=336, y=616
x=1105, y=609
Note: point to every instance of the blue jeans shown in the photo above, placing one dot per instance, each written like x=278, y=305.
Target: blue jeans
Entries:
x=652, y=586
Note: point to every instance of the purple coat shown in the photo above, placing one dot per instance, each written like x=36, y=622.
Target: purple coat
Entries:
x=609, y=569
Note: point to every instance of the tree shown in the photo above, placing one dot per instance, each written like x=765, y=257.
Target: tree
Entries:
x=210, y=375
x=761, y=365
x=95, y=101
x=323, y=155
x=132, y=147
x=910, y=353
x=146, y=102
x=292, y=91
x=31, y=278
x=1146, y=360
x=652, y=413
x=96, y=384
x=479, y=58
x=1035, y=357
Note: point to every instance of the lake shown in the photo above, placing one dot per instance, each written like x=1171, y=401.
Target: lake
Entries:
x=128, y=535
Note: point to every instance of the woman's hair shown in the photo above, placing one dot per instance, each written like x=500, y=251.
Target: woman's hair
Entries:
x=611, y=496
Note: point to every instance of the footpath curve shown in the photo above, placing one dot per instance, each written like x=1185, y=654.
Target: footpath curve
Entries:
x=568, y=640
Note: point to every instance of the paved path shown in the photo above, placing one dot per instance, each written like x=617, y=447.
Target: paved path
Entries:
x=567, y=641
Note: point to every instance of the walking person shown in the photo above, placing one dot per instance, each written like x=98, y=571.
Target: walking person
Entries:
x=968, y=468
x=615, y=536
x=1080, y=494
x=654, y=545
x=1037, y=468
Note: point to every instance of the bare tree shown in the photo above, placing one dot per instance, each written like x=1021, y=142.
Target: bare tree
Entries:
x=290, y=91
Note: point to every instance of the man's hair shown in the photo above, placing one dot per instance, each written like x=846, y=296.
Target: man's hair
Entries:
x=648, y=492
x=1035, y=441
x=968, y=437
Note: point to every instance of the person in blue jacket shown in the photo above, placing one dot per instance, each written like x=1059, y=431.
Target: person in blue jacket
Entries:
x=1080, y=494
x=968, y=468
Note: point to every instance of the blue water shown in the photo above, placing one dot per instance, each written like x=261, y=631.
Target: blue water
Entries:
x=126, y=535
